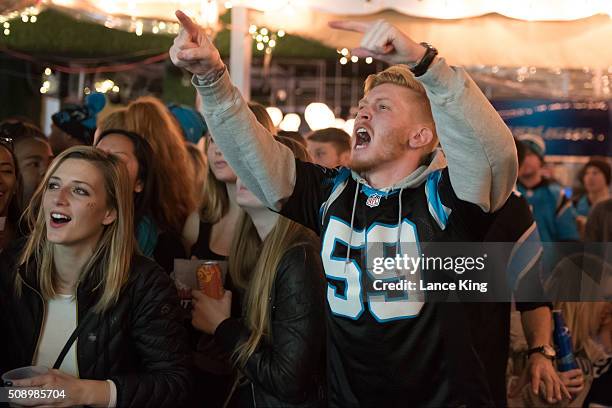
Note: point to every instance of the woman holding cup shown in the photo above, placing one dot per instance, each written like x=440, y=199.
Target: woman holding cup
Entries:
x=277, y=344
x=77, y=297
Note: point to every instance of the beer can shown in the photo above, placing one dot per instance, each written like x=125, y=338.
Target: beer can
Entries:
x=563, y=341
x=210, y=280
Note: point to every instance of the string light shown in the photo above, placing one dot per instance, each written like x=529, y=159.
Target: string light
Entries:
x=105, y=86
x=266, y=40
x=345, y=56
x=28, y=15
x=50, y=82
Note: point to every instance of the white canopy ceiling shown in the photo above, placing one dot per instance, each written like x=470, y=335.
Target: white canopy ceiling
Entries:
x=531, y=10
x=543, y=33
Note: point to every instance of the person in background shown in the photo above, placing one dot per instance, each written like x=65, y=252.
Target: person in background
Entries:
x=212, y=232
x=297, y=136
x=277, y=344
x=219, y=212
x=10, y=194
x=79, y=270
x=553, y=212
x=154, y=236
x=32, y=151
x=75, y=125
x=595, y=178
x=137, y=155
x=329, y=147
x=173, y=175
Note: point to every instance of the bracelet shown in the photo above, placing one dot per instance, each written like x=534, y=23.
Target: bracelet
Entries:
x=211, y=77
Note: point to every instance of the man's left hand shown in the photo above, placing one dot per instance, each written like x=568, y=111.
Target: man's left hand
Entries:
x=540, y=371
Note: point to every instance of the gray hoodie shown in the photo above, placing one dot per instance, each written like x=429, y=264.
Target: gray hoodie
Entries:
x=478, y=146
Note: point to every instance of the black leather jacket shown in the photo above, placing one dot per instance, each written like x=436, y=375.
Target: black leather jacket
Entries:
x=139, y=343
x=289, y=371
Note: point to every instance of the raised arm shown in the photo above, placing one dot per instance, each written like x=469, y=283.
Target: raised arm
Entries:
x=478, y=145
x=265, y=166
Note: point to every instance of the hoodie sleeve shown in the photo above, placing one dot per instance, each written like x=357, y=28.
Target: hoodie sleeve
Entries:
x=479, y=147
x=265, y=166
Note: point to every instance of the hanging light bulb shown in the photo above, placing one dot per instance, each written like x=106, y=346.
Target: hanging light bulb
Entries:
x=319, y=116
x=275, y=114
x=291, y=122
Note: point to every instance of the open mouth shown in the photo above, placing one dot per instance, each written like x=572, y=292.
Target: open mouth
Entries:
x=363, y=138
x=59, y=219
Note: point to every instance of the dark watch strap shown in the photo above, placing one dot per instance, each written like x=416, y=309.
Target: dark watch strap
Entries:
x=421, y=67
x=538, y=350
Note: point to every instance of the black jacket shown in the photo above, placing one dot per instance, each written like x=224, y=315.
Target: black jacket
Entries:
x=289, y=371
x=139, y=343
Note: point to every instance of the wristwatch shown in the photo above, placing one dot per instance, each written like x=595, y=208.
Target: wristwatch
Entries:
x=546, y=350
x=421, y=67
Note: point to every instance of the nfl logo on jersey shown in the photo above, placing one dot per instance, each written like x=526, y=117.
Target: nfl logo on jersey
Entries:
x=373, y=200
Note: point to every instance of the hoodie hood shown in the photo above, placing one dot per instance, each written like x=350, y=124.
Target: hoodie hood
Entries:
x=434, y=161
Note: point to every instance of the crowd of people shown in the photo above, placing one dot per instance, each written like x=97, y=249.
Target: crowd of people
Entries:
x=93, y=217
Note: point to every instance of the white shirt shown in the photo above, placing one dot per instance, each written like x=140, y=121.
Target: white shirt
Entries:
x=60, y=322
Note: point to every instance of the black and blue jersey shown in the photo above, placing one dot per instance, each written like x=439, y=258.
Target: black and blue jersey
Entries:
x=385, y=350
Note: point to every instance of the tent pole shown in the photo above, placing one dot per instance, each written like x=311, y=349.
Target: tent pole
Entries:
x=241, y=51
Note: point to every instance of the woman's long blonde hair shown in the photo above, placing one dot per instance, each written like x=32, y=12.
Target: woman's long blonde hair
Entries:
x=110, y=263
x=174, y=175
x=216, y=201
x=253, y=265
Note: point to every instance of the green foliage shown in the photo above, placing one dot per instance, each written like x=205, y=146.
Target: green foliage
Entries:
x=57, y=34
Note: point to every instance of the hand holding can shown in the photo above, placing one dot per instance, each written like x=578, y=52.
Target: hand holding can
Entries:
x=210, y=280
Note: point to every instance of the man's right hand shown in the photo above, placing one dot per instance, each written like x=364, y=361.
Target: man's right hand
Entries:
x=193, y=50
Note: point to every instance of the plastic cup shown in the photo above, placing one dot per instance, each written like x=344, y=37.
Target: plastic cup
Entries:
x=24, y=373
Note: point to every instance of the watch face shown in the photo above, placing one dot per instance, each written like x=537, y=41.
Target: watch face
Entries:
x=548, y=351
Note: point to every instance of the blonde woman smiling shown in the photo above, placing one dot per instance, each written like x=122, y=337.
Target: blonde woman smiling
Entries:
x=77, y=297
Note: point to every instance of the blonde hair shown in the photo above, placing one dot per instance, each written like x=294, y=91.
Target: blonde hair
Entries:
x=173, y=174
x=199, y=163
x=215, y=203
x=109, y=266
x=112, y=120
x=253, y=265
x=401, y=75
x=397, y=75
x=582, y=319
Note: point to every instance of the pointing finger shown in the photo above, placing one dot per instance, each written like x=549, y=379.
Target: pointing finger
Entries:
x=188, y=24
x=357, y=26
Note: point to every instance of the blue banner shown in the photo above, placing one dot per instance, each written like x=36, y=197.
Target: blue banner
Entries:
x=569, y=128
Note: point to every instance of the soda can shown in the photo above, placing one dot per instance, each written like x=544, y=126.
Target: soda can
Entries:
x=210, y=280
x=563, y=341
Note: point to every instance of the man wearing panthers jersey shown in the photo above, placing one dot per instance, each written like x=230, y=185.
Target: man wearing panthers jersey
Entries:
x=401, y=191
